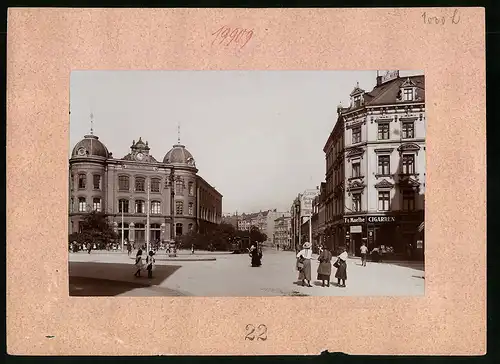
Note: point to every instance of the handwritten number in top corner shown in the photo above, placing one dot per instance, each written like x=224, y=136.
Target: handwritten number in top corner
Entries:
x=226, y=36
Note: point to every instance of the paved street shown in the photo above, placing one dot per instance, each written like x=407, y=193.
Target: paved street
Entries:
x=231, y=275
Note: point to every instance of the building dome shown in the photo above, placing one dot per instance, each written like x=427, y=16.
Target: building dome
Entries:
x=179, y=155
x=90, y=146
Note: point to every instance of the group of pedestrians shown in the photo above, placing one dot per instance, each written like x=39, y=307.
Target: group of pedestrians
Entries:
x=140, y=265
x=325, y=266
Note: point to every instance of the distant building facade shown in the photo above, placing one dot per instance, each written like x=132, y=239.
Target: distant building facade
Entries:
x=263, y=220
x=180, y=201
x=375, y=167
x=282, y=232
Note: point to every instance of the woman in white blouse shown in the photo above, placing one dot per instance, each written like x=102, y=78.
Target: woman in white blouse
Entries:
x=304, y=264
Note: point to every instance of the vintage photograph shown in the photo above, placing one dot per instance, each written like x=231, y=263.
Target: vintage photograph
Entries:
x=247, y=183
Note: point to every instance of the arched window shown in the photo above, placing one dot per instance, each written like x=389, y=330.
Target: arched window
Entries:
x=190, y=227
x=124, y=231
x=123, y=183
x=139, y=184
x=155, y=233
x=178, y=229
x=179, y=208
x=140, y=233
x=139, y=207
x=123, y=206
x=155, y=207
x=155, y=185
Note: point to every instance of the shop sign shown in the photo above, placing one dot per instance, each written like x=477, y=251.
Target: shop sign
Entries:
x=381, y=218
x=354, y=220
x=356, y=229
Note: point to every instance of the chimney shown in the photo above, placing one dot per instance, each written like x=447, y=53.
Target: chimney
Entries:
x=379, y=80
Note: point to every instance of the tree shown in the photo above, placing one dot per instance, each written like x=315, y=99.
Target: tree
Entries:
x=257, y=235
x=97, y=229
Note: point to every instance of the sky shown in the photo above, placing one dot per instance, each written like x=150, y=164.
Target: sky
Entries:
x=256, y=136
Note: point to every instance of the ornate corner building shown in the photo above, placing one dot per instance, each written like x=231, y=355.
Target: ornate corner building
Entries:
x=375, y=167
x=180, y=200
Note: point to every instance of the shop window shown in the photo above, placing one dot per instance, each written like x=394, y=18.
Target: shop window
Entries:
x=356, y=202
x=97, y=181
x=408, y=164
x=82, y=204
x=356, y=135
x=123, y=183
x=82, y=181
x=155, y=185
x=139, y=184
x=383, y=200
x=123, y=206
x=356, y=169
x=408, y=200
x=383, y=131
x=179, y=208
x=155, y=207
x=96, y=204
x=139, y=207
x=384, y=165
x=408, y=130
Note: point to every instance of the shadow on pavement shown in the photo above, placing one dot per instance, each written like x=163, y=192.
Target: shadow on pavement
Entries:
x=111, y=279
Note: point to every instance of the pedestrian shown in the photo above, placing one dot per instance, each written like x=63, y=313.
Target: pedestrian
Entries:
x=256, y=256
x=277, y=247
x=364, y=252
x=304, y=264
x=341, y=265
x=129, y=248
x=138, y=263
x=375, y=255
x=89, y=247
x=150, y=260
x=192, y=248
x=325, y=266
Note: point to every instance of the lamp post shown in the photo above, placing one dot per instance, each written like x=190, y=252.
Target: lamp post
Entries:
x=147, y=220
x=123, y=231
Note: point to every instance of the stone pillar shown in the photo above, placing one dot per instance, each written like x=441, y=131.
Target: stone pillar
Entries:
x=131, y=233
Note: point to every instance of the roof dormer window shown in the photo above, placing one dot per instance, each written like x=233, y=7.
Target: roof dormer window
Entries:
x=408, y=94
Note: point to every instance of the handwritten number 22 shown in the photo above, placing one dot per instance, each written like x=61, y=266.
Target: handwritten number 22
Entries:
x=260, y=333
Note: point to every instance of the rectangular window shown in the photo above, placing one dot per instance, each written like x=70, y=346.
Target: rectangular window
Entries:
x=384, y=165
x=82, y=204
x=383, y=131
x=97, y=182
x=123, y=183
x=82, y=181
x=123, y=206
x=356, y=135
x=139, y=207
x=155, y=207
x=71, y=204
x=408, y=130
x=179, y=208
x=356, y=202
x=357, y=101
x=190, y=209
x=155, y=185
x=178, y=187
x=356, y=169
x=408, y=164
x=139, y=184
x=408, y=94
x=97, y=204
x=408, y=200
x=383, y=200
x=191, y=189
x=72, y=182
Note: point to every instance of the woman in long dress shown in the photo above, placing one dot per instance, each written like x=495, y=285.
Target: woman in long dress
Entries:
x=341, y=273
x=256, y=256
x=138, y=263
x=325, y=267
x=304, y=260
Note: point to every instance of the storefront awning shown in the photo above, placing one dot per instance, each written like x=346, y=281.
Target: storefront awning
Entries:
x=421, y=227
